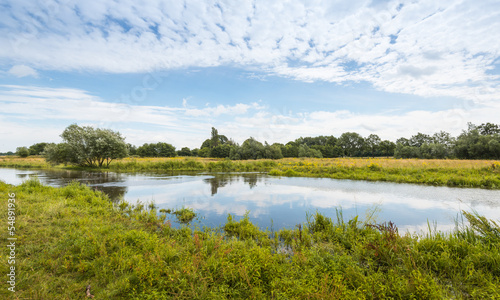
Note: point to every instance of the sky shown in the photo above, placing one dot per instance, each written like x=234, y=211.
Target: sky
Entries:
x=168, y=71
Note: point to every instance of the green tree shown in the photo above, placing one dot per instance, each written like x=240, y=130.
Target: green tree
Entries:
x=94, y=147
x=156, y=150
x=132, y=150
x=386, y=148
x=272, y=151
x=220, y=151
x=419, y=139
x=252, y=149
x=488, y=129
x=184, y=152
x=372, y=144
x=352, y=143
x=204, y=152
x=59, y=154
x=37, y=149
x=22, y=151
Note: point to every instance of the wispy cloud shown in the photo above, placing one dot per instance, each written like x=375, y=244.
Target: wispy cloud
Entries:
x=425, y=47
x=23, y=71
x=31, y=114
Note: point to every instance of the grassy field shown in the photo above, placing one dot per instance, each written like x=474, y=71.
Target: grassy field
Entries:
x=72, y=237
x=459, y=173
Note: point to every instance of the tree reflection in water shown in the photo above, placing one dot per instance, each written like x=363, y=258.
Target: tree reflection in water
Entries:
x=221, y=180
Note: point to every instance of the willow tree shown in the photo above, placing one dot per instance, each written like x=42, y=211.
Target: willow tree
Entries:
x=86, y=146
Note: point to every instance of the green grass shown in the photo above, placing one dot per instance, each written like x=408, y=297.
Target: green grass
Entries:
x=73, y=236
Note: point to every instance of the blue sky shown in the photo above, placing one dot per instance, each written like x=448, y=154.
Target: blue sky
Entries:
x=275, y=70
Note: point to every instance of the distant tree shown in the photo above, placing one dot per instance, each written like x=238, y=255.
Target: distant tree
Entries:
x=402, y=151
x=403, y=141
x=291, y=149
x=22, y=152
x=252, y=149
x=234, y=153
x=443, y=138
x=352, y=143
x=272, y=151
x=215, y=138
x=471, y=144
x=156, y=150
x=59, y=154
x=305, y=151
x=87, y=146
x=372, y=144
x=386, y=148
x=488, y=129
x=220, y=151
x=184, y=152
x=204, y=152
x=419, y=139
x=132, y=150
x=37, y=149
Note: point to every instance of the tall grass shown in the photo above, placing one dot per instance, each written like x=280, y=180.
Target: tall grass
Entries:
x=73, y=236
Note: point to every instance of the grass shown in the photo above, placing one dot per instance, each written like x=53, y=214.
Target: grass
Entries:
x=454, y=173
x=73, y=236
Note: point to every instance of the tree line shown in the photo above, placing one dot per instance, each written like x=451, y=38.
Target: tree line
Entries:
x=87, y=146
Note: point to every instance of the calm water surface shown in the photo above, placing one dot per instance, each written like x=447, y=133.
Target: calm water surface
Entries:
x=285, y=200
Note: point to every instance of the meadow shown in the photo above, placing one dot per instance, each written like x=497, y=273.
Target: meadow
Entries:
x=72, y=237
x=439, y=172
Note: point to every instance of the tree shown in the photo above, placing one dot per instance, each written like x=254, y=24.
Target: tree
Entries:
x=352, y=143
x=372, y=144
x=220, y=151
x=59, y=154
x=156, y=150
x=37, y=149
x=305, y=151
x=386, y=148
x=215, y=138
x=419, y=139
x=90, y=147
x=488, y=129
x=22, y=151
x=252, y=149
x=184, y=152
x=132, y=150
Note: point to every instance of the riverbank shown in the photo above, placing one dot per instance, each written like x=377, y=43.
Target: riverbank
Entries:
x=72, y=237
x=453, y=173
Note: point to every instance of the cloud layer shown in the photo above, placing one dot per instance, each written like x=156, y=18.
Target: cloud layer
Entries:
x=23, y=110
x=423, y=47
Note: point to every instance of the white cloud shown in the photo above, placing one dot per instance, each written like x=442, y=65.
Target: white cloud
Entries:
x=52, y=109
x=22, y=71
x=422, y=47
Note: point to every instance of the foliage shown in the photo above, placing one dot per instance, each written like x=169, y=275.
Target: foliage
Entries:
x=37, y=149
x=74, y=236
x=156, y=150
x=185, y=151
x=86, y=146
x=22, y=152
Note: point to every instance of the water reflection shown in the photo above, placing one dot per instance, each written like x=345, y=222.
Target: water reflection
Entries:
x=221, y=180
x=284, y=200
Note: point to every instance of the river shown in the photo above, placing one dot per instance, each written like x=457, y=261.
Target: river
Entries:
x=281, y=202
